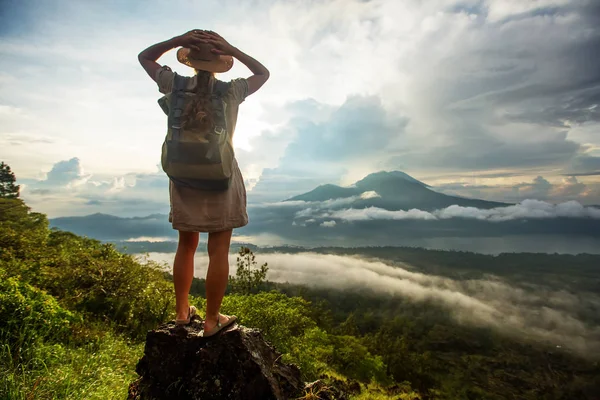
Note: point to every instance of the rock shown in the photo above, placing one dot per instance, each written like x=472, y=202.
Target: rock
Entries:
x=322, y=391
x=353, y=386
x=329, y=388
x=236, y=363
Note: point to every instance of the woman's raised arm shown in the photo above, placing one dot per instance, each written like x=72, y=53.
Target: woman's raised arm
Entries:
x=149, y=56
x=261, y=73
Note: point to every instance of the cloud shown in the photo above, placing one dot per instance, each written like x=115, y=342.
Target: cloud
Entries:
x=591, y=173
x=528, y=209
x=328, y=224
x=371, y=194
x=535, y=312
x=310, y=206
x=66, y=174
x=276, y=184
x=484, y=151
x=25, y=139
x=566, y=189
x=513, y=10
x=326, y=147
x=67, y=189
x=356, y=87
x=348, y=134
x=497, y=69
x=539, y=188
x=373, y=213
x=585, y=165
x=493, y=101
x=569, y=188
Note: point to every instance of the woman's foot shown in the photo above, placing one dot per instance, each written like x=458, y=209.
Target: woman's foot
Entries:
x=212, y=326
x=187, y=317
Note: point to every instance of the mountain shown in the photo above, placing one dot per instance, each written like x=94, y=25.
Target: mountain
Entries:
x=326, y=192
x=392, y=191
x=385, y=175
x=109, y=227
x=384, y=208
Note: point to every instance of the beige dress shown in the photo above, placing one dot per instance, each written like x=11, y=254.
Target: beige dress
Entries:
x=207, y=211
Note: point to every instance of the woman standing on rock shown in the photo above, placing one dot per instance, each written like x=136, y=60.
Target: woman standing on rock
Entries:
x=206, y=187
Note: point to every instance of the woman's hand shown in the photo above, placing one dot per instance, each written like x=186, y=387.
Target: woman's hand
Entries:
x=221, y=46
x=191, y=39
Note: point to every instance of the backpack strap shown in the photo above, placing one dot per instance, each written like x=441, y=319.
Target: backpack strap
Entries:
x=177, y=99
x=220, y=89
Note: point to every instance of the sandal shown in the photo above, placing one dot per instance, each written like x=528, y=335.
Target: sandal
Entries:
x=191, y=313
x=219, y=325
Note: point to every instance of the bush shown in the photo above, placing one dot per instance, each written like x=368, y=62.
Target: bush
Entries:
x=30, y=315
x=99, y=370
x=95, y=278
x=311, y=352
x=317, y=352
x=286, y=322
x=23, y=233
x=84, y=274
x=249, y=277
x=351, y=358
x=279, y=317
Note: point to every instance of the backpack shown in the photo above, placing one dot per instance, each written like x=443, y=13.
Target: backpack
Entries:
x=196, y=158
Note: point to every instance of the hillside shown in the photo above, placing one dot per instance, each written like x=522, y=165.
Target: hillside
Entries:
x=97, y=305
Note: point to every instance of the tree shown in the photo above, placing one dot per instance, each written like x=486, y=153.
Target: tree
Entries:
x=8, y=188
x=248, y=277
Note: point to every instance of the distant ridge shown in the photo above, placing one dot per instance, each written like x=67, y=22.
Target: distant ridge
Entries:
x=297, y=221
x=107, y=227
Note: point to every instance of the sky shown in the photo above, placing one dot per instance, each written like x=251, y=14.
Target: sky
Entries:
x=496, y=100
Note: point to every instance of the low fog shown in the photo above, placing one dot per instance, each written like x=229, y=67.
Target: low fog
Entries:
x=538, y=313
x=527, y=209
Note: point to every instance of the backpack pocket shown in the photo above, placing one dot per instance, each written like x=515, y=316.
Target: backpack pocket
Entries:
x=193, y=153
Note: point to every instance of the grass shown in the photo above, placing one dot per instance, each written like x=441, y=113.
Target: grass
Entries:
x=99, y=370
x=370, y=395
x=376, y=392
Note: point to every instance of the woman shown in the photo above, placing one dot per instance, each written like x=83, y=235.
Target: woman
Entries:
x=193, y=210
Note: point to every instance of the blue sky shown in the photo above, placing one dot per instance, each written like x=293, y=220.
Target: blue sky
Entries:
x=490, y=99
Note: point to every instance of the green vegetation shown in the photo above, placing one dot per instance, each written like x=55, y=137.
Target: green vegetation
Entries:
x=67, y=330
x=248, y=277
x=8, y=187
x=74, y=313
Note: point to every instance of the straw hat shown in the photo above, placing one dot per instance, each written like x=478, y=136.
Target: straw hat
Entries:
x=204, y=59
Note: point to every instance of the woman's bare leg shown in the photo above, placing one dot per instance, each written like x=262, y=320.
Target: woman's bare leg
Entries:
x=183, y=271
x=217, y=276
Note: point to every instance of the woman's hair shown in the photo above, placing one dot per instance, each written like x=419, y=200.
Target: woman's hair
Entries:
x=199, y=112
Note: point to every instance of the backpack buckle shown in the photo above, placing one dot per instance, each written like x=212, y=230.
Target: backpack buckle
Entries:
x=219, y=130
